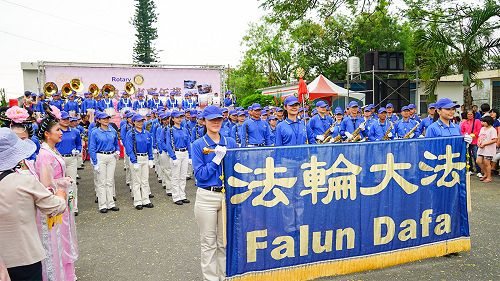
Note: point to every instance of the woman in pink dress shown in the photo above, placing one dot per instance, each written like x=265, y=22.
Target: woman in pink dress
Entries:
x=59, y=232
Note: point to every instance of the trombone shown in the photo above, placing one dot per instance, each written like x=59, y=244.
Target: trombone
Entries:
x=49, y=89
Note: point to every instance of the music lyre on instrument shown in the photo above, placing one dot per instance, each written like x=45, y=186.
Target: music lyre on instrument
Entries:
x=207, y=150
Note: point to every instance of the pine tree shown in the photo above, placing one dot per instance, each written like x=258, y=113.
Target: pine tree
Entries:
x=144, y=19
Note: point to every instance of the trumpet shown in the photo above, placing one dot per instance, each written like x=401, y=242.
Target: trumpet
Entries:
x=66, y=90
x=94, y=90
x=207, y=150
x=108, y=89
x=130, y=88
x=49, y=89
x=76, y=85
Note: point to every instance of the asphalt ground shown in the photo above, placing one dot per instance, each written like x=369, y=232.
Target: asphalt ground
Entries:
x=163, y=243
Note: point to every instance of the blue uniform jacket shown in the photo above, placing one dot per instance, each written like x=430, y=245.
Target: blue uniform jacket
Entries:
x=402, y=127
x=289, y=132
x=122, y=103
x=439, y=129
x=256, y=132
x=102, y=141
x=377, y=130
x=72, y=106
x=71, y=139
x=180, y=141
x=142, y=144
x=139, y=104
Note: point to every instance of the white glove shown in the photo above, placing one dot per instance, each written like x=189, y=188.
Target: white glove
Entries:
x=190, y=161
x=155, y=151
x=151, y=164
x=332, y=129
x=136, y=166
x=467, y=138
x=362, y=126
x=96, y=168
x=389, y=135
x=421, y=136
x=348, y=135
x=411, y=136
x=175, y=162
x=220, y=152
x=75, y=152
x=320, y=137
x=117, y=154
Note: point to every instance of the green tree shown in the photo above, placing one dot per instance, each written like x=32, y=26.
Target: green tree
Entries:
x=144, y=21
x=461, y=45
x=245, y=79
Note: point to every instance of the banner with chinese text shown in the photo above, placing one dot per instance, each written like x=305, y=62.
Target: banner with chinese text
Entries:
x=298, y=213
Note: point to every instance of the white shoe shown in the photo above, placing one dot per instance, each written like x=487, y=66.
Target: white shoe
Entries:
x=479, y=175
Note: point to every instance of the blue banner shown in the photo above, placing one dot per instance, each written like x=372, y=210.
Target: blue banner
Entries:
x=309, y=211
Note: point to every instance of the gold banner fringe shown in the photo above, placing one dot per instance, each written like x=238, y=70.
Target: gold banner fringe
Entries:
x=346, y=266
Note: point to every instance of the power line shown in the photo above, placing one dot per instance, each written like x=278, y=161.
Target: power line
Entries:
x=37, y=41
x=62, y=18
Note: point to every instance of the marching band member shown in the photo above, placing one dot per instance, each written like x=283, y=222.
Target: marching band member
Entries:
x=155, y=102
x=172, y=102
x=351, y=122
x=188, y=103
x=74, y=123
x=179, y=149
x=225, y=116
x=51, y=171
x=427, y=121
x=405, y=125
x=208, y=207
x=335, y=131
x=379, y=128
x=157, y=148
x=140, y=102
x=279, y=114
x=70, y=147
x=264, y=114
x=88, y=104
x=391, y=116
x=444, y=127
x=71, y=106
x=56, y=101
x=233, y=119
x=191, y=123
x=228, y=102
x=125, y=103
x=237, y=132
x=105, y=103
x=255, y=131
x=272, y=126
x=199, y=129
x=319, y=123
x=413, y=112
x=291, y=131
x=125, y=126
x=103, y=151
x=165, y=161
x=139, y=148
x=39, y=104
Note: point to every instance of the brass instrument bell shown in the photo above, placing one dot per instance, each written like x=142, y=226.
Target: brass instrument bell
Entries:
x=130, y=88
x=94, y=90
x=66, y=90
x=108, y=89
x=49, y=89
x=76, y=85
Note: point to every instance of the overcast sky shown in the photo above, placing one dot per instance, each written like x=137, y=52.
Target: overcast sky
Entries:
x=189, y=32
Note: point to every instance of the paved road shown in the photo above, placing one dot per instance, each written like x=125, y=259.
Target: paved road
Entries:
x=162, y=243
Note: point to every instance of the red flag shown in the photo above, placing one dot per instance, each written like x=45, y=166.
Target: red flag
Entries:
x=302, y=92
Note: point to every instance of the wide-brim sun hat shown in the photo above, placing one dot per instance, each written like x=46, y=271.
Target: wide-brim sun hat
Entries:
x=13, y=149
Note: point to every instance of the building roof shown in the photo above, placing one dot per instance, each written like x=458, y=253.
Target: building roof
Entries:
x=487, y=74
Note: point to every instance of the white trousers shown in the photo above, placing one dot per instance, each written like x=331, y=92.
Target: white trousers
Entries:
x=166, y=171
x=179, y=173
x=127, y=164
x=140, y=181
x=79, y=162
x=106, y=178
x=208, y=213
x=155, y=160
x=71, y=166
x=158, y=168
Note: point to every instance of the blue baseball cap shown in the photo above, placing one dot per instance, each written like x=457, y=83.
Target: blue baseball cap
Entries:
x=233, y=112
x=155, y=94
x=411, y=106
x=272, y=117
x=129, y=114
x=255, y=106
x=137, y=117
x=389, y=105
x=239, y=108
x=56, y=94
x=404, y=108
x=446, y=103
x=224, y=110
x=102, y=115
x=140, y=95
x=33, y=94
x=72, y=119
x=187, y=94
x=432, y=105
x=382, y=109
x=279, y=109
x=212, y=112
x=64, y=115
x=339, y=110
x=229, y=92
x=163, y=116
x=353, y=104
x=240, y=113
x=193, y=113
x=321, y=103
x=264, y=112
x=172, y=93
x=168, y=114
x=367, y=109
x=291, y=100
x=177, y=113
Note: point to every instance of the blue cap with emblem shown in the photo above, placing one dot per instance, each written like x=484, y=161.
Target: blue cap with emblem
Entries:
x=353, y=104
x=446, y=103
x=137, y=117
x=291, y=100
x=321, y=103
x=404, y=108
x=382, y=109
x=212, y=112
x=338, y=110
